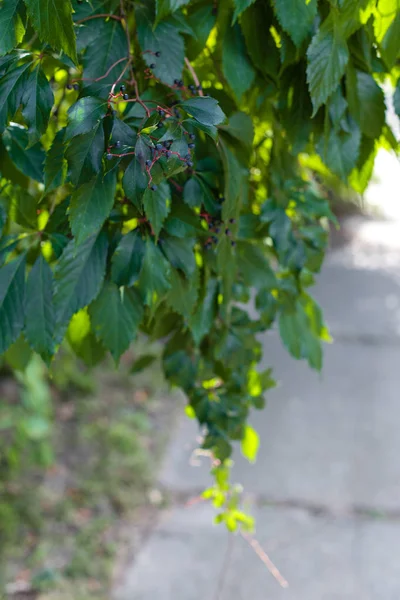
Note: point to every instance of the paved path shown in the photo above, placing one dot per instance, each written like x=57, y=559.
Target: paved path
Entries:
x=326, y=486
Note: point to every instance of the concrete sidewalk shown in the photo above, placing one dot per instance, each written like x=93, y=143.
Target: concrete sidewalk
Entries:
x=326, y=486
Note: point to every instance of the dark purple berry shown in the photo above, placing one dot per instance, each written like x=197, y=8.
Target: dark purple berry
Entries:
x=228, y=231
x=122, y=88
x=117, y=144
x=192, y=136
x=161, y=112
x=152, y=66
x=168, y=153
x=199, y=87
x=191, y=145
x=159, y=146
x=180, y=83
x=232, y=220
x=114, y=113
x=191, y=87
x=160, y=124
x=126, y=96
x=217, y=230
x=153, y=188
x=69, y=86
x=109, y=156
x=215, y=239
x=176, y=82
x=189, y=163
x=148, y=163
x=158, y=53
x=76, y=87
x=233, y=243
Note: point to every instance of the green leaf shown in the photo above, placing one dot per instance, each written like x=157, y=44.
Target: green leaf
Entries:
x=157, y=205
x=240, y=127
x=366, y=102
x=12, y=292
x=154, y=276
x=390, y=45
x=55, y=165
x=39, y=309
x=37, y=100
x=260, y=44
x=142, y=363
x=202, y=319
x=23, y=209
x=85, y=115
x=11, y=91
x=19, y=354
x=128, y=258
x=84, y=155
x=28, y=160
x=164, y=38
x=201, y=19
x=340, y=151
x=180, y=253
x=166, y=7
x=236, y=65
x=182, y=222
x=182, y=296
x=91, y=204
x=296, y=17
x=240, y=7
x=234, y=180
x=135, y=182
x=52, y=19
x=116, y=319
x=254, y=266
x=328, y=56
x=396, y=99
x=250, y=444
x=78, y=276
x=193, y=192
x=204, y=109
x=12, y=29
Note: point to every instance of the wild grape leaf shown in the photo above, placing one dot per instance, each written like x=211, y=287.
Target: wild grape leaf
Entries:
x=128, y=258
x=298, y=337
x=23, y=208
x=210, y=130
x=296, y=17
x=28, y=160
x=366, y=102
x=12, y=29
x=203, y=317
x=37, y=100
x=327, y=56
x=115, y=319
x=179, y=253
x=157, y=205
x=182, y=222
x=240, y=127
x=340, y=151
x=193, y=192
x=250, y=444
x=84, y=155
x=11, y=91
x=39, y=309
x=259, y=41
x=107, y=45
x=55, y=165
x=154, y=276
x=240, y=7
x=390, y=45
x=123, y=133
x=182, y=296
x=163, y=38
x=52, y=19
x=142, y=151
x=236, y=65
x=254, y=266
x=91, y=204
x=135, y=182
x=85, y=115
x=204, y=109
x=12, y=293
x=201, y=20
x=166, y=7
x=234, y=177
x=78, y=278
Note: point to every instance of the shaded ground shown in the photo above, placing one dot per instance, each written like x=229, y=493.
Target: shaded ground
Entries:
x=326, y=487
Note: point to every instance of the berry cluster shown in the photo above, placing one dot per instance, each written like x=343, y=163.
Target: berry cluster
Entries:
x=72, y=86
x=217, y=226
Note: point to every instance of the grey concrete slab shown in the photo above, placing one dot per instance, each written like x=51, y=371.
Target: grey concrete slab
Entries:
x=321, y=557
x=181, y=560
x=330, y=438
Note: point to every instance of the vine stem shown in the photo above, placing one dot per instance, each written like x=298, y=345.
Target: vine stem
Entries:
x=107, y=72
x=193, y=74
x=101, y=16
x=263, y=556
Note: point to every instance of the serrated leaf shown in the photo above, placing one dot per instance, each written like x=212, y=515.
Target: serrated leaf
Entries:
x=142, y=363
x=23, y=209
x=78, y=278
x=39, y=309
x=37, y=100
x=204, y=109
x=135, y=182
x=182, y=296
x=28, y=160
x=390, y=45
x=193, y=193
x=340, y=150
x=234, y=178
x=12, y=29
x=142, y=151
x=12, y=293
x=254, y=266
x=154, y=276
x=85, y=115
x=240, y=7
x=182, y=222
x=52, y=19
x=11, y=91
x=240, y=127
x=327, y=56
x=296, y=17
x=259, y=42
x=55, y=165
x=128, y=258
x=91, y=204
x=210, y=130
x=165, y=38
x=180, y=253
x=201, y=19
x=202, y=319
x=366, y=102
x=115, y=319
x=250, y=443
x=296, y=331
x=236, y=65
x=167, y=7
x=84, y=155
x=157, y=205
